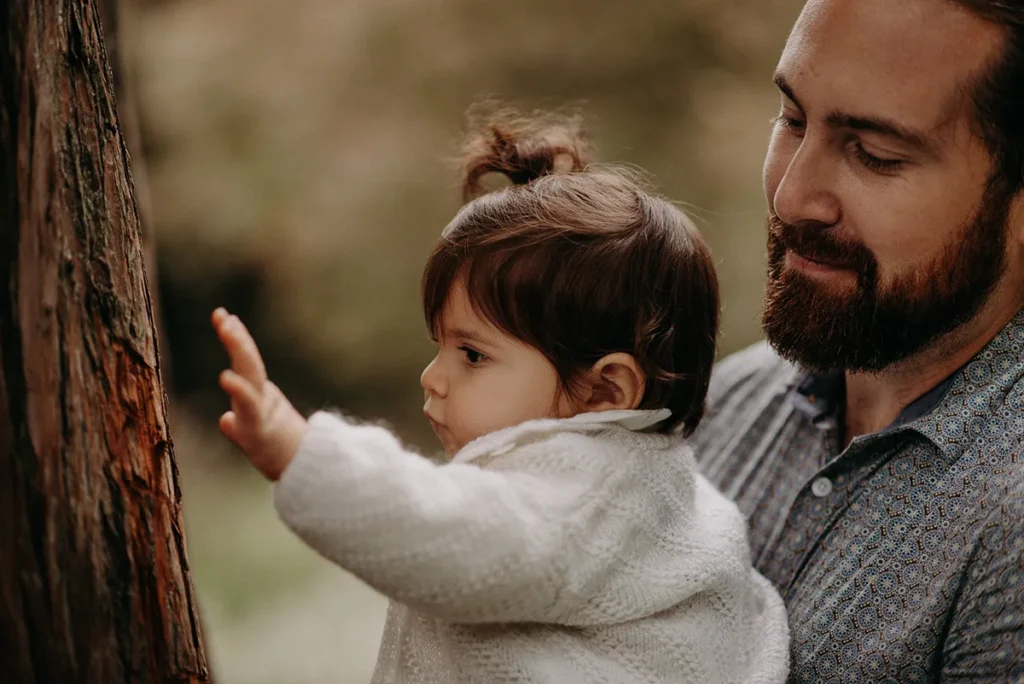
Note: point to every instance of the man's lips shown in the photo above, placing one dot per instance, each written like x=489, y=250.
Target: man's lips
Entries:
x=814, y=263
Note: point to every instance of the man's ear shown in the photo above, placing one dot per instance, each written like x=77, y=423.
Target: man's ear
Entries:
x=1016, y=218
x=616, y=381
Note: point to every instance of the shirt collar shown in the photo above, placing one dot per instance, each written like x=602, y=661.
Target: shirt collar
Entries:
x=631, y=420
x=501, y=441
x=977, y=393
x=982, y=383
x=817, y=395
x=821, y=394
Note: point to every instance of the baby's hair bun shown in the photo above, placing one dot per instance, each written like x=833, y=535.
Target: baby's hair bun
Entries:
x=521, y=149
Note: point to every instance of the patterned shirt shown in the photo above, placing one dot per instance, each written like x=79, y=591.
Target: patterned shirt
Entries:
x=900, y=557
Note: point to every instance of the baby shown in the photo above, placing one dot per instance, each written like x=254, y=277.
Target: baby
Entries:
x=569, y=537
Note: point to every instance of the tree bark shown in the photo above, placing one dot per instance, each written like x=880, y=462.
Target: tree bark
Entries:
x=111, y=16
x=94, y=581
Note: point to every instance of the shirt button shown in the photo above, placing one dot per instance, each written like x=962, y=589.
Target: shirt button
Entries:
x=821, y=487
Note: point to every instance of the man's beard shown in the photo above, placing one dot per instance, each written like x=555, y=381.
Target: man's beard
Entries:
x=867, y=327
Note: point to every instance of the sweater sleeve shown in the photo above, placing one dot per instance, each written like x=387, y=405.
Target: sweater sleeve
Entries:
x=456, y=541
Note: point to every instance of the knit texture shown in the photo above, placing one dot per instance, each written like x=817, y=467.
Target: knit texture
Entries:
x=559, y=551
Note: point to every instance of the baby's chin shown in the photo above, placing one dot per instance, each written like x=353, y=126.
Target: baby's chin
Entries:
x=449, y=443
x=454, y=442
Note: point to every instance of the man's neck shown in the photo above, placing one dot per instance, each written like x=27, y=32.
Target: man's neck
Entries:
x=874, y=401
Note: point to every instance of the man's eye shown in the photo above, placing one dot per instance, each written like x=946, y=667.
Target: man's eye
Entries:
x=472, y=355
x=877, y=163
x=789, y=123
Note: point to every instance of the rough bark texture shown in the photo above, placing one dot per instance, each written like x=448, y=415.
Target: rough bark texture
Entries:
x=111, y=15
x=94, y=582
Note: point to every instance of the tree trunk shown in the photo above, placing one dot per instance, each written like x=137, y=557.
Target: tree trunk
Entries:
x=94, y=582
x=111, y=16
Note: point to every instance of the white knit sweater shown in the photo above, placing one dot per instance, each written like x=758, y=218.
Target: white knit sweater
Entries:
x=561, y=551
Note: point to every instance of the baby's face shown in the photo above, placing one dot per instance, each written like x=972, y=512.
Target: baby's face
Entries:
x=483, y=379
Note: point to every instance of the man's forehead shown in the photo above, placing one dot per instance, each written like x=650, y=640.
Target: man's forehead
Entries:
x=904, y=59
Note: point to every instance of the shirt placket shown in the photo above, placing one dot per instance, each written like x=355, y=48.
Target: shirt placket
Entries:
x=816, y=509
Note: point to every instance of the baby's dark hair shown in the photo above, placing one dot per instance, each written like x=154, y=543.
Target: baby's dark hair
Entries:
x=580, y=262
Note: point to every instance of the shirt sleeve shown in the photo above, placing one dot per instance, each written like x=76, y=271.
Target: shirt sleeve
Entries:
x=986, y=636
x=456, y=541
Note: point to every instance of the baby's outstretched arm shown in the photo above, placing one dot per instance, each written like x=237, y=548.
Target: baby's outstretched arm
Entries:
x=455, y=541
x=261, y=421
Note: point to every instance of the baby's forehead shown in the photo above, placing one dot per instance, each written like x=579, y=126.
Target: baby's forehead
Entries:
x=467, y=324
x=467, y=328
x=469, y=318
x=460, y=311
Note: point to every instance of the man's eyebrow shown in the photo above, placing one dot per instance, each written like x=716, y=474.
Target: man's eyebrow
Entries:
x=787, y=90
x=914, y=139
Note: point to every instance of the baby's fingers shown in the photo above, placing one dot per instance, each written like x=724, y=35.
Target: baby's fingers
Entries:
x=229, y=427
x=245, y=355
x=218, y=317
x=245, y=399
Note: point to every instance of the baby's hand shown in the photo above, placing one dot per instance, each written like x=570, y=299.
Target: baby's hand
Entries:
x=261, y=421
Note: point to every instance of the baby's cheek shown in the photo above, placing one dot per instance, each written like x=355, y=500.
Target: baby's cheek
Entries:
x=464, y=424
x=476, y=419
x=505, y=400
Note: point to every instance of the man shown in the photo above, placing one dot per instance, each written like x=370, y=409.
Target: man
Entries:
x=876, y=450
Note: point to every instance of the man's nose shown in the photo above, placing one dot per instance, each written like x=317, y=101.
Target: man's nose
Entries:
x=806, y=194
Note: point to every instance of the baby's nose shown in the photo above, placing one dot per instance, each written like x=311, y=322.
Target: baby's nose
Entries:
x=433, y=381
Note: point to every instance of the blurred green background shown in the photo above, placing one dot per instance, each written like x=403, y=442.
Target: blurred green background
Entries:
x=300, y=168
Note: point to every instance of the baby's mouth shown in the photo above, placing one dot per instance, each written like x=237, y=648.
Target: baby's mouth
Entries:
x=439, y=430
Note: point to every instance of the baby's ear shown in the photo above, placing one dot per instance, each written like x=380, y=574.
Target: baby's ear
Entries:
x=616, y=381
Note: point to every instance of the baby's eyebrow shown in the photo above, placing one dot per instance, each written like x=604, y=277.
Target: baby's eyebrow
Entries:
x=467, y=335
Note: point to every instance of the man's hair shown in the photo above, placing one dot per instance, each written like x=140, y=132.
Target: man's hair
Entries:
x=998, y=94
x=580, y=264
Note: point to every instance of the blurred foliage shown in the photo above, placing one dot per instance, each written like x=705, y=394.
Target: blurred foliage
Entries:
x=300, y=158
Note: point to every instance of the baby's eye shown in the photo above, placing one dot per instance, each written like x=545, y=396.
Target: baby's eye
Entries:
x=472, y=355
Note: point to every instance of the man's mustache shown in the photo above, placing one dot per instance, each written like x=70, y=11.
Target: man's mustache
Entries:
x=818, y=243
